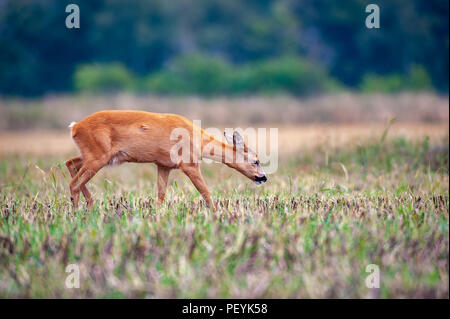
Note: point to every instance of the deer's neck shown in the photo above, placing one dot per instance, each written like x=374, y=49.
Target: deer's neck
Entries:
x=219, y=151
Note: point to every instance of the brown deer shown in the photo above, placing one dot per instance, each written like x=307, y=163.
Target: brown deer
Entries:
x=114, y=137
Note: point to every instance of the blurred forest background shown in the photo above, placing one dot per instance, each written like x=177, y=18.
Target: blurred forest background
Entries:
x=223, y=47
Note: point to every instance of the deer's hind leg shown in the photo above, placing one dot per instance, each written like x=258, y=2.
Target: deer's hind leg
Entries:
x=95, y=153
x=74, y=165
x=86, y=172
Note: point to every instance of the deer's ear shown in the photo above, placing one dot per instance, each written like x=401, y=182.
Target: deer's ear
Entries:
x=228, y=138
x=238, y=141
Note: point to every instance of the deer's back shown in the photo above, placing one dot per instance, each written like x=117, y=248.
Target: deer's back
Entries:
x=140, y=136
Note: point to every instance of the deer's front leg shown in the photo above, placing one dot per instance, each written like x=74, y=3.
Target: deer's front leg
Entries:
x=163, y=177
x=193, y=172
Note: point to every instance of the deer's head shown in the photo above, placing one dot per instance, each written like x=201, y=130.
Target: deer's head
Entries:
x=246, y=160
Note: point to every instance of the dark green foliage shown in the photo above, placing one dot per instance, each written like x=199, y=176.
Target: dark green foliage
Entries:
x=417, y=79
x=287, y=74
x=39, y=55
x=195, y=74
x=104, y=78
x=208, y=76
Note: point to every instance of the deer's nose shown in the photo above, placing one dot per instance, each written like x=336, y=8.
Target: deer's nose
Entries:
x=261, y=179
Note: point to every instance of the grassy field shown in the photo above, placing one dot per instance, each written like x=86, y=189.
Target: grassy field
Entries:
x=331, y=209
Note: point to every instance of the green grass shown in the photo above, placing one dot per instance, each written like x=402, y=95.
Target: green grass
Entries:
x=309, y=232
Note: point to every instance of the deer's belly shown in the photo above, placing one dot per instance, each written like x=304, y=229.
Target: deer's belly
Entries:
x=157, y=156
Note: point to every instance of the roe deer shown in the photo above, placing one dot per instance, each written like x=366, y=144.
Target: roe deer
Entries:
x=113, y=137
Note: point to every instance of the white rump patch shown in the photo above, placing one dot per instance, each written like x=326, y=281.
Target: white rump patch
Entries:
x=71, y=128
x=72, y=124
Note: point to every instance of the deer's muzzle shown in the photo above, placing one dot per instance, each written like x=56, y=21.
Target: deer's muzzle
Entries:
x=259, y=180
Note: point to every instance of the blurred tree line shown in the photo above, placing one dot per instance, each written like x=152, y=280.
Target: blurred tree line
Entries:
x=211, y=47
